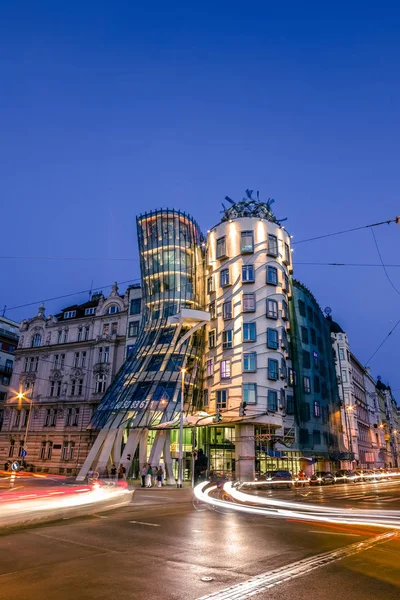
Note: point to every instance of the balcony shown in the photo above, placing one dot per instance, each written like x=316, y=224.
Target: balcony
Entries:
x=6, y=371
x=8, y=334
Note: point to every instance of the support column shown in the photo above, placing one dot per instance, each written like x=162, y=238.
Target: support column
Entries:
x=143, y=448
x=244, y=452
x=157, y=448
x=106, y=450
x=91, y=457
x=130, y=448
x=117, y=446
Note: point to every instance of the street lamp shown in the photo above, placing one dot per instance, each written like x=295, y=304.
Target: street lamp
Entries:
x=180, y=459
x=21, y=396
x=349, y=409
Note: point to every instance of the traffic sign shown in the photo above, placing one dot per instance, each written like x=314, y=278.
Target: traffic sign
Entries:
x=24, y=453
x=15, y=466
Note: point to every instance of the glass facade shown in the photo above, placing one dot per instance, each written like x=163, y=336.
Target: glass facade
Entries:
x=146, y=390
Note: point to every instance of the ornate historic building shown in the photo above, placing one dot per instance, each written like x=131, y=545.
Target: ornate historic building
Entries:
x=63, y=366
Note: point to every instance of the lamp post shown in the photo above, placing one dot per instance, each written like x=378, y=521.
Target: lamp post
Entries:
x=180, y=459
x=349, y=409
x=21, y=396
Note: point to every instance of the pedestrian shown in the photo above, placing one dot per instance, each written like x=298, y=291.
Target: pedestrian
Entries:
x=90, y=476
x=6, y=466
x=113, y=472
x=143, y=474
x=154, y=470
x=149, y=475
x=302, y=478
x=160, y=473
x=121, y=472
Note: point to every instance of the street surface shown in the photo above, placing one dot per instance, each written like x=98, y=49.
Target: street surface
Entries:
x=165, y=542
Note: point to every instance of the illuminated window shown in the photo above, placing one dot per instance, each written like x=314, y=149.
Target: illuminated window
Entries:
x=225, y=369
x=272, y=309
x=246, y=242
x=210, y=367
x=249, y=303
x=317, y=408
x=221, y=247
x=307, y=385
x=224, y=277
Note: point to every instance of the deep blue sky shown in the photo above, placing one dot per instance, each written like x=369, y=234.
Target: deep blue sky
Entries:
x=107, y=109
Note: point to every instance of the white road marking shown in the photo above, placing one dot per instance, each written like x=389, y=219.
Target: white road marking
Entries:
x=334, y=533
x=264, y=581
x=143, y=523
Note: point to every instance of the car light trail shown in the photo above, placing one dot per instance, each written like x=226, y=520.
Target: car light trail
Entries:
x=292, y=510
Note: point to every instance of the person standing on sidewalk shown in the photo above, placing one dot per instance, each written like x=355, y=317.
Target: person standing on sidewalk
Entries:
x=149, y=475
x=159, y=476
x=143, y=474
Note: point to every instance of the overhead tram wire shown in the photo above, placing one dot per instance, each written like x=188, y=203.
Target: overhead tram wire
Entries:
x=382, y=343
x=326, y=235
x=383, y=265
x=69, y=295
x=332, y=264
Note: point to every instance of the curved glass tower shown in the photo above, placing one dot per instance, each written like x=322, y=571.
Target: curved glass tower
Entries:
x=146, y=390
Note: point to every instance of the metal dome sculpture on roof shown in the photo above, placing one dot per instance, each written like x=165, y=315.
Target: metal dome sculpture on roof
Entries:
x=250, y=207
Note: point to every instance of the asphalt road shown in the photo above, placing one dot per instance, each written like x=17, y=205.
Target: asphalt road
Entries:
x=164, y=543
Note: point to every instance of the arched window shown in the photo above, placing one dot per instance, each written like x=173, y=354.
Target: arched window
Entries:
x=36, y=340
x=113, y=309
x=100, y=384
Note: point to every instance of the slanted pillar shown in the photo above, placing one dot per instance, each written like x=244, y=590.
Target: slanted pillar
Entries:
x=91, y=457
x=130, y=448
x=169, y=474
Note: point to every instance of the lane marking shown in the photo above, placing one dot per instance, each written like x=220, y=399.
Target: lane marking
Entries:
x=334, y=533
x=143, y=523
x=59, y=539
x=260, y=583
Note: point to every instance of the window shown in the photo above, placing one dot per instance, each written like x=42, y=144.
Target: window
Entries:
x=80, y=330
x=249, y=332
x=249, y=303
x=272, y=368
x=341, y=354
x=317, y=408
x=247, y=273
x=224, y=277
x=70, y=314
x=310, y=314
x=315, y=360
x=285, y=311
x=205, y=398
x=221, y=247
x=287, y=254
x=290, y=405
x=59, y=336
x=272, y=309
x=302, y=308
x=304, y=335
x=113, y=309
x=86, y=333
x=225, y=369
x=306, y=360
x=222, y=396
x=283, y=369
x=52, y=384
x=73, y=387
x=62, y=360
x=83, y=359
x=272, y=400
x=210, y=367
x=43, y=451
x=317, y=386
x=75, y=420
x=272, y=275
x=272, y=338
x=249, y=392
x=90, y=311
x=65, y=337
x=210, y=285
x=135, y=307
x=249, y=362
x=305, y=412
x=286, y=283
x=313, y=336
x=106, y=328
x=227, y=310
x=31, y=364
x=100, y=384
x=80, y=387
x=51, y=417
x=49, y=450
x=211, y=338
x=316, y=437
x=227, y=339
x=307, y=385
x=76, y=359
x=246, y=242
x=36, y=340
x=11, y=449
x=133, y=330
x=272, y=245
x=344, y=376
x=17, y=419
x=213, y=314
